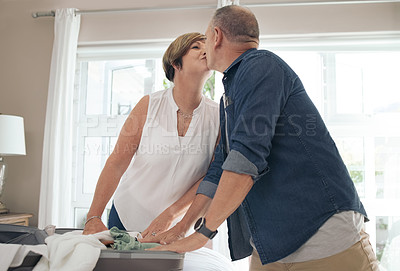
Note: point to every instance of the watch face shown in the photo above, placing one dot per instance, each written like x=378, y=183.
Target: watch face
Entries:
x=198, y=224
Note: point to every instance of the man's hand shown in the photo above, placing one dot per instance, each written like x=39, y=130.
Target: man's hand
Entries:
x=190, y=243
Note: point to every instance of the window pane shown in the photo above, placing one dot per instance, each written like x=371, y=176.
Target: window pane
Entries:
x=366, y=83
x=95, y=155
x=349, y=86
x=129, y=81
x=80, y=217
x=114, y=87
x=95, y=100
x=387, y=167
x=388, y=242
x=352, y=151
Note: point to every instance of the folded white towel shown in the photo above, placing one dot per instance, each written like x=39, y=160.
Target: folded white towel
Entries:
x=70, y=250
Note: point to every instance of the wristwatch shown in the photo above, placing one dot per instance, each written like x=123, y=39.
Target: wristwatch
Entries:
x=200, y=227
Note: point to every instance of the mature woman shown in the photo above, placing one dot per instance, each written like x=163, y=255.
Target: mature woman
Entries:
x=163, y=150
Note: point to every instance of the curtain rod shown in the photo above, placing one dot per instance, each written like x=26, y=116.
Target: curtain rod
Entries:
x=52, y=13
x=272, y=4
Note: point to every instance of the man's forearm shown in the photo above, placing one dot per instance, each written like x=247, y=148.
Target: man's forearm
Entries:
x=232, y=190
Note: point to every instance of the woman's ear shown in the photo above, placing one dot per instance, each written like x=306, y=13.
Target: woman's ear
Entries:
x=176, y=67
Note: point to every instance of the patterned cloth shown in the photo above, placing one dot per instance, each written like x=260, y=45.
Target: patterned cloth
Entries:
x=123, y=241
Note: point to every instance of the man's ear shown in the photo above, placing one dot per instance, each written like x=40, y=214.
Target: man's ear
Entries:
x=218, y=37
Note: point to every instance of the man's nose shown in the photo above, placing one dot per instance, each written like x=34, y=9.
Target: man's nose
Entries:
x=203, y=49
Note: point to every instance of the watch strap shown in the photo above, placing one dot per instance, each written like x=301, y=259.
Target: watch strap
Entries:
x=201, y=228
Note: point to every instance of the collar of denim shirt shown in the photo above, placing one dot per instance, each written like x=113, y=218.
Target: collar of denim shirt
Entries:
x=237, y=60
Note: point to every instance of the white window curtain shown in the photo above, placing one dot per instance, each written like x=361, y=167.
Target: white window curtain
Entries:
x=55, y=189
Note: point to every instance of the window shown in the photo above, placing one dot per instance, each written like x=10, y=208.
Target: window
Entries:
x=353, y=85
x=358, y=95
x=107, y=91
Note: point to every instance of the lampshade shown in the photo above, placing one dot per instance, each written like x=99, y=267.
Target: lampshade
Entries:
x=12, y=135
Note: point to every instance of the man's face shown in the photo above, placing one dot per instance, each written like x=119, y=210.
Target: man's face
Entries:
x=209, y=43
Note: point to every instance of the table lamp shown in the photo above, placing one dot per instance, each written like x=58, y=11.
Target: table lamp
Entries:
x=12, y=142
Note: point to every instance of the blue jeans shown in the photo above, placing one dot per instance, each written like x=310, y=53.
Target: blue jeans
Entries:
x=113, y=219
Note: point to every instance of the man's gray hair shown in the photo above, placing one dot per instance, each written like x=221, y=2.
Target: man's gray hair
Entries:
x=237, y=23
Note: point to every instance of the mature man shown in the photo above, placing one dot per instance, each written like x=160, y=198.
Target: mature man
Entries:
x=280, y=182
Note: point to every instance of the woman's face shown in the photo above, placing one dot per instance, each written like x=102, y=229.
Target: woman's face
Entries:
x=195, y=59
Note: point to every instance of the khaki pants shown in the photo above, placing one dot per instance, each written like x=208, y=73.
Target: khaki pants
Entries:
x=359, y=257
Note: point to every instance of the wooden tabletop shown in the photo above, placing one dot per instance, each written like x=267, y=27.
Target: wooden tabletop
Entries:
x=15, y=218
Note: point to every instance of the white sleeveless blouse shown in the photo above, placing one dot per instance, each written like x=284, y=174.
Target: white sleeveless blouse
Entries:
x=165, y=165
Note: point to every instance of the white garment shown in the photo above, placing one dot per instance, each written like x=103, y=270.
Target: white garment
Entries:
x=205, y=259
x=165, y=166
x=7, y=255
x=12, y=255
x=337, y=234
x=70, y=250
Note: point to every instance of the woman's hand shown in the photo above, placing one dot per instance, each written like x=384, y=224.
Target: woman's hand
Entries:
x=159, y=225
x=94, y=226
x=168, y=237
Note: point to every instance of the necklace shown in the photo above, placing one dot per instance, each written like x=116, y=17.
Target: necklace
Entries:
x=185, y=116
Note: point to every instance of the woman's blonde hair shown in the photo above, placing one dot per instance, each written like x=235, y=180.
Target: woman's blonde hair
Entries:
x=176, y=50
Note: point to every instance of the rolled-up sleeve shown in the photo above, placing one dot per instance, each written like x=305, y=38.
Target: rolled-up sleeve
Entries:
x=238, y=163
x=260, y=93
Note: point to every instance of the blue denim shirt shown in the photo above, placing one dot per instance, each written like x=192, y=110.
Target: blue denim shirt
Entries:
x=272, y=131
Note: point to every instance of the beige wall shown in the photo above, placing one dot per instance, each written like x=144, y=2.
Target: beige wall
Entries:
x=26, y=44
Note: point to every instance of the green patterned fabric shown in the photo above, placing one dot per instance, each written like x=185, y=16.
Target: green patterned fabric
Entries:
x=123, y=241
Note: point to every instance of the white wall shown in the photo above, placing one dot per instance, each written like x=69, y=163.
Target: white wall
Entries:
x=26, y=44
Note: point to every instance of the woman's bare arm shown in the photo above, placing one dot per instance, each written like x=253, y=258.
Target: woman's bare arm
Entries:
x=117, y=163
